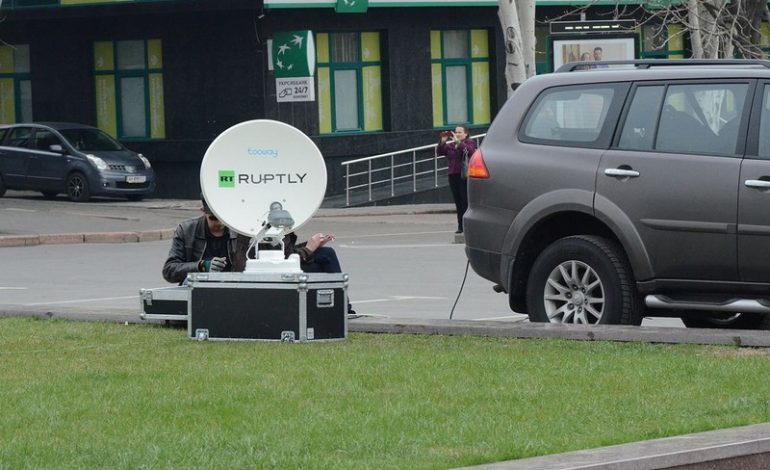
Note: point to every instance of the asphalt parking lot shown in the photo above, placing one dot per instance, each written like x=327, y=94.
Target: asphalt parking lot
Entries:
x=403, y=261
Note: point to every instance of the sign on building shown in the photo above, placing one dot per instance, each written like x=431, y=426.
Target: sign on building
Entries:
x=293, y=54
x=295, y=89
x=351, y=6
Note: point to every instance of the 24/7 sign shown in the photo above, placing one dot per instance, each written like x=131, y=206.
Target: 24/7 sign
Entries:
x=295, y=89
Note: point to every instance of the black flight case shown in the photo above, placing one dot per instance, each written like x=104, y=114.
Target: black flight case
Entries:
x=165, y=303
x=268, y=306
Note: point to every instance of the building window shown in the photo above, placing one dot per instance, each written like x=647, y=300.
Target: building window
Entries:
x=764, y=39
x=542, y=49
x=129, y=88
x=654, y=41
x=675, y=34
x=15, y=85
x=349, y=82
x=460, y=72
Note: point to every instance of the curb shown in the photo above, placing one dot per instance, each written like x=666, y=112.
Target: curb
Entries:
x=90, y=237
x=746, y=447
x=621, y=333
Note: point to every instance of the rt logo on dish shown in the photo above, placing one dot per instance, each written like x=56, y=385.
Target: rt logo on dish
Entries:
x=226, y=178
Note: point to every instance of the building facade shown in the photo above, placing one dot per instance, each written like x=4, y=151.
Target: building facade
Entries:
x=167, y=76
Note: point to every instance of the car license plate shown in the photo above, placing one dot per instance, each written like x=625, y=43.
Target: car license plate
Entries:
x=136, y=179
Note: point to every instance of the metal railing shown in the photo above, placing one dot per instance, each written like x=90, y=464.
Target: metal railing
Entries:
x=403, y=171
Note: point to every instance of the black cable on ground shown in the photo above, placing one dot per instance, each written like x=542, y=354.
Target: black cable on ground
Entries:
x=465, y=276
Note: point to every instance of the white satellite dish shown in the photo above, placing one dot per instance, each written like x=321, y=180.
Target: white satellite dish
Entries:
x=256, y=163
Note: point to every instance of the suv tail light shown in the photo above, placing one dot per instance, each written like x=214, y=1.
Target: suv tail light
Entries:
x=476, y=167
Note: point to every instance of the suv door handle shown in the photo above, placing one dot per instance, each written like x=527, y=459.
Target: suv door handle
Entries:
x=621, y=173
x=762, y=184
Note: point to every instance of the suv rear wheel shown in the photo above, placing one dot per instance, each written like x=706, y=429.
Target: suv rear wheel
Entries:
x=583, y=279
x=744, y=321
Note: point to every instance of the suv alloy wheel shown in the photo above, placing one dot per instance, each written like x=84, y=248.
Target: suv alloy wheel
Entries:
x=583, y=280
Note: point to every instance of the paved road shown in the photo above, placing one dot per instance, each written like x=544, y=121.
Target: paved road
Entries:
x=401, y=264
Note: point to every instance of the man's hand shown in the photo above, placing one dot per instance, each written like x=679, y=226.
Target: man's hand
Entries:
x=317, y=241
x=214, y=265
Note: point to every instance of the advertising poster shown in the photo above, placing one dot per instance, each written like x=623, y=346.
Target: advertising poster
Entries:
x=574, y=50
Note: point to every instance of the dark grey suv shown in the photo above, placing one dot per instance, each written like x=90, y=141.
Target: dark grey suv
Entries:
x=75, y=159
x=605, y=195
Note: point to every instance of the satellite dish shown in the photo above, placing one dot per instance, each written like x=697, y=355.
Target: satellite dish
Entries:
x=256, y=163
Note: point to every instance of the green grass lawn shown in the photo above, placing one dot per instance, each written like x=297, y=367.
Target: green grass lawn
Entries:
x=104, y=395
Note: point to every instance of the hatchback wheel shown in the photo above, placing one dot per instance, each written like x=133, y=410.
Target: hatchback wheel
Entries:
x=727, y=320
x=77, y=188
x=583, y=280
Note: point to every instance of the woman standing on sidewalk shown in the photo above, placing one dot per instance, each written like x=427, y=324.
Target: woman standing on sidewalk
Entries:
x=458, y=149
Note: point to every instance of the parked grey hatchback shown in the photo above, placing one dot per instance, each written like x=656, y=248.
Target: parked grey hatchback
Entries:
x=78, y=160
x=605, y=195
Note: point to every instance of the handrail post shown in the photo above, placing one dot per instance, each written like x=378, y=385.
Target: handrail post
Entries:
x=435, y=167
x=414, y=171
x=370, y=181
x=392, y=176
x=347, y=185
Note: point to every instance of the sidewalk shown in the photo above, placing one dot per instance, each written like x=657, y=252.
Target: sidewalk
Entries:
x=30, y=220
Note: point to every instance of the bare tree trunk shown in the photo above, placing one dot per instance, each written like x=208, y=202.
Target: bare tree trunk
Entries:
x=708, y=20
x=695, y=32
x=517, y=18
x=527, y=19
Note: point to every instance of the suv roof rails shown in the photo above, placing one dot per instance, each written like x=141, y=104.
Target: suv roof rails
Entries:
x=648, y=63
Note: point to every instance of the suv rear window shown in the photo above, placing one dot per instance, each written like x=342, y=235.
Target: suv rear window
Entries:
x=569, y=115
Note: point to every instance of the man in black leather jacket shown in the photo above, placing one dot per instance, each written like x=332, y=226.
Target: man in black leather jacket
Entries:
x=202, y=244
x=205, y=244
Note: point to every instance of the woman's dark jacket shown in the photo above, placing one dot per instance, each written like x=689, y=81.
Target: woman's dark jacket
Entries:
x=455, y=154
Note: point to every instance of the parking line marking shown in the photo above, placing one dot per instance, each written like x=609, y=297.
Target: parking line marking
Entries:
x=13, y=288
x=78, y=301
x=506, y=317
x=383, y=247
x=372, y=235
x=395, y=298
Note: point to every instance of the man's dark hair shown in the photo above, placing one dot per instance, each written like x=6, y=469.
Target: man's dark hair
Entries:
x=204, y=205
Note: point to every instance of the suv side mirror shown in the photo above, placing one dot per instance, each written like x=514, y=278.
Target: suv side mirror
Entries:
x=56, y=148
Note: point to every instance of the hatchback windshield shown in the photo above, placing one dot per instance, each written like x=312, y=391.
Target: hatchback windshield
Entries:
x=89, y=140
